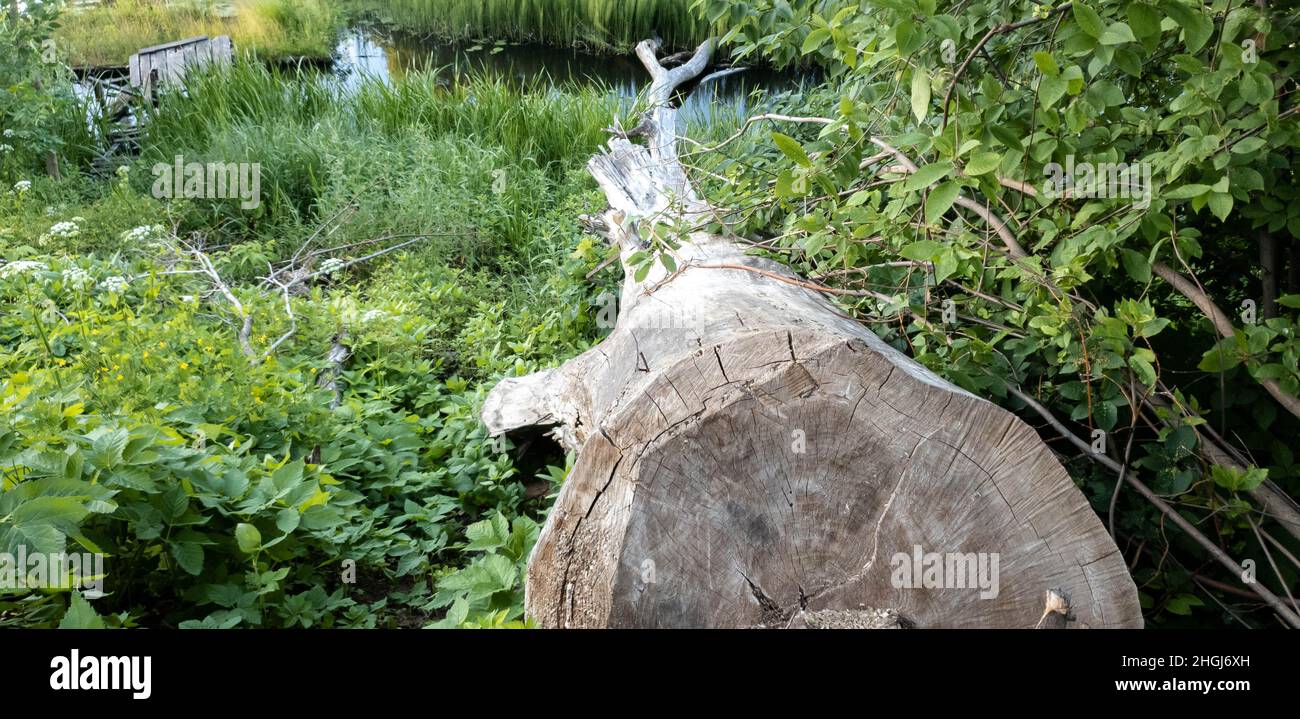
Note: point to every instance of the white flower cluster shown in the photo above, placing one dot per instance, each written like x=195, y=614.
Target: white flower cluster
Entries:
x=116, y=284
x=19, y=267
x=77, y=278
x=6, y=148
x=9, y=132
x=330, y=266
x=62, y=230
x=144, y=234
x=22, y=186
x=372, y=315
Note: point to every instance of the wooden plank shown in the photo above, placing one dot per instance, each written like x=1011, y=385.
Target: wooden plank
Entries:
x=134, y=69
x=223, y=49
x=170, y=45
x=175, y=63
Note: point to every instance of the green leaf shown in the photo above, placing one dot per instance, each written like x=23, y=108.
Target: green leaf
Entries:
x=1183, y=192
x=1117, y=34
x=189, y=556
x=1088, y=19
x=1237, y=480
x=940, y=199
x=1183, y=603
x=1105, y=414
x=1221, y=205
x=1222, y=356
x=1136, y=265
x=921, y=250
x=1145, y=372
x=927, y=175
x=1051, y=89
x=815, y=39
x=286, y=520
x=791, y=148
x=1197, y=27
x=1143, y=19
x=1256, y=88
x=1249, y=145
x=1046, y=63
x=80, y=614
x=920, y=93
x=248, y=538
x=983, y=162
x=641, y=272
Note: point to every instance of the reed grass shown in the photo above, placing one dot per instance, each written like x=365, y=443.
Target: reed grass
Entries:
x=607, y=25
x=420, y=153
x=108, y=34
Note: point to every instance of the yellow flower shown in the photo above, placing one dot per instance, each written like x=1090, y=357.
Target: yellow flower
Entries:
x=145, y=355
x=185, y=365
x=120, y=378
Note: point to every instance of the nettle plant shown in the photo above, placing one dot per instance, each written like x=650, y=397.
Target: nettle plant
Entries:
x=1084, y=210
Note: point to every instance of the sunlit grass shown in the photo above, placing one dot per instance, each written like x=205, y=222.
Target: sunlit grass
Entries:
x=109, y=34
x=613, y=25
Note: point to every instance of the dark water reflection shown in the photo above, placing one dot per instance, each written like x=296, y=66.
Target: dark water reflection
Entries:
x=364, y=53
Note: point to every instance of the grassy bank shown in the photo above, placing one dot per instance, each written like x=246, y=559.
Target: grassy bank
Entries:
x=109, y=34
x=606, y=25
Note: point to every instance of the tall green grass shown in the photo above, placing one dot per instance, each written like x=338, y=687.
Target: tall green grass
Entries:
x=610, y=25
x=477, y=161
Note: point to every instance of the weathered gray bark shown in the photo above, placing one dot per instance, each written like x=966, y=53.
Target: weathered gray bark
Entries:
x=749, y=456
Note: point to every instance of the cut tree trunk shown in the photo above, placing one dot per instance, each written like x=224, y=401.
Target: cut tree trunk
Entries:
x=747, y=455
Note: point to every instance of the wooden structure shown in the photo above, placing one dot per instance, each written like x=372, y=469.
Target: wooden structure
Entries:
x=157, y=66
x=749, y=456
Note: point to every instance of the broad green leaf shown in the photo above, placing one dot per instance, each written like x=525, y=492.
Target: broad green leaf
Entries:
x=927, y=175
x=80, y=614
x=815, y=39
x=1117, y=34
x=1046, y=63
x=1136, y=265
x=940, y=199
x=248, y=538
x=286, y=520
x=1145, y=372
x=921, y=250
x=1051, y=89
x=1196, y=25
x=791, y=148
x=189, y=556
x=1088, y=19
x=983, y=162
x=1143, y=19
x=920, y=93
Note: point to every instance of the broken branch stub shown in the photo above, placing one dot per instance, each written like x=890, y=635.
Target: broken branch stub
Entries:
x=746, y=454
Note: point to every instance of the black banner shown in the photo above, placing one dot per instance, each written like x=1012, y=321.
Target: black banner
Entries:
x=329, y=668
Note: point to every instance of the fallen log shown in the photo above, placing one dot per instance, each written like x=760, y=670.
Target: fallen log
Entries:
x=748, y=456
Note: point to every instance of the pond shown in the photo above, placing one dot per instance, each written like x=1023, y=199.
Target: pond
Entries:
x=364, y=53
